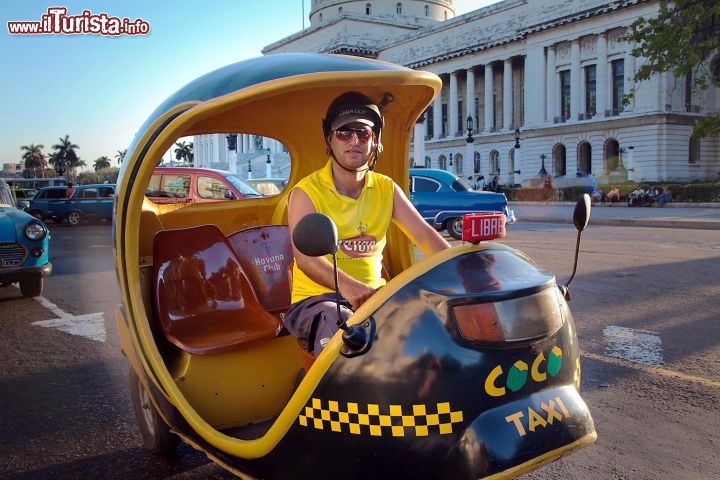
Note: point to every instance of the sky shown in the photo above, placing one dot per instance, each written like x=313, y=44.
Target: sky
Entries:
x=99, y=89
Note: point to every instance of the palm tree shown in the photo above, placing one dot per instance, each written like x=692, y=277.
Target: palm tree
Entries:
x=101, y=163
x=34, y=158
x=184, y=152
x=67, y=155
x=120, y=156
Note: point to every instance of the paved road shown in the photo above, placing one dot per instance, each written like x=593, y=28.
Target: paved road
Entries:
x=677, y=216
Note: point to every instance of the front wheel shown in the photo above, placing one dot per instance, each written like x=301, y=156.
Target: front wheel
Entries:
x=157, y=436
x=454, y=228
x=31, y=288
x=74, y=218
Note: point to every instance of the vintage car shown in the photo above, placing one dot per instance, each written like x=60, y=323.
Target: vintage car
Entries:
x=24, y=243
x=442, y=198
x=185, y=185
x=268, y=186
x=87, y=202
x=464, y=365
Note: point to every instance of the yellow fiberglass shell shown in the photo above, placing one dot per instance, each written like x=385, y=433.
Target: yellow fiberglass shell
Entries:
x=282, y=96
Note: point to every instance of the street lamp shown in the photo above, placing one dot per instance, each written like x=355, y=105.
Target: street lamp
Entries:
x=542, y=171
x=268, y=165
x=451, y=160
x=470, y=126
x=517, y=137
x=249, y=170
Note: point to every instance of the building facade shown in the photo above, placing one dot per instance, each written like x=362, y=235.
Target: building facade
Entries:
x=549, y=77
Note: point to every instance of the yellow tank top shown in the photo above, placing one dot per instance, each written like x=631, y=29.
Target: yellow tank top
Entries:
x=362, y=224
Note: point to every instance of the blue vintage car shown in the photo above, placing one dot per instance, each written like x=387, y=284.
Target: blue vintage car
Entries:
x=442, y=198
x=24, y=242
x=87, y=202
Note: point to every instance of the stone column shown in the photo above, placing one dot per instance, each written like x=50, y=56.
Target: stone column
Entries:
x=419, y=142
x=552, y=86
x=629, y=77
x=601, y=76
x=470, y=95
x=507, y=95
x=453, y=106
x=437, y=116
x=489, y=105
x=575, y=79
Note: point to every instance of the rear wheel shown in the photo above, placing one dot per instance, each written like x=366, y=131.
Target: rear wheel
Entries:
x=31, y=288
x=74, y=218
x=454, y=228
x=156, y=435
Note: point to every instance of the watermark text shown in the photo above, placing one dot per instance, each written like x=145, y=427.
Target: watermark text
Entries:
x=57, y=22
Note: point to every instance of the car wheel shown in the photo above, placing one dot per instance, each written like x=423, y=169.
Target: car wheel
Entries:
x=156, y=435
x=31, y=288
x=38, y=214
x=454, y=228
x=74, y=218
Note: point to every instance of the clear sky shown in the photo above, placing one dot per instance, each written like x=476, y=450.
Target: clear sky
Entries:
x=100, y=89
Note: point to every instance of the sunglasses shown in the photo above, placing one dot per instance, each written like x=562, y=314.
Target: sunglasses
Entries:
x=346, y=134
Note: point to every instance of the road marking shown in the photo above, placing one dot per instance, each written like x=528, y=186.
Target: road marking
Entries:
x=90, y=325
x=639, y=346
x=664, y=372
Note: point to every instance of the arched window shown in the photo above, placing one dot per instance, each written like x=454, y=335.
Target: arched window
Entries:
x=559, y=161
x=427, y=11
x=694, y=151
x=611, y=157
x=476, y=162
x=442, y=162
x=340, y=10
x=398, y=8
x=368, y=9
x=428, y=162
x=494, y=163
x=584, y=155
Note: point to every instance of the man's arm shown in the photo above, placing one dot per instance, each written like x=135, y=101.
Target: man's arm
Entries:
x=319, y=269
x=420, y=232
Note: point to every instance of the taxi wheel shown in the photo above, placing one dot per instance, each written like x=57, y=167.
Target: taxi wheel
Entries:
x=157, y=436
x=454, y=228
x=31, y=288
x=74, y=218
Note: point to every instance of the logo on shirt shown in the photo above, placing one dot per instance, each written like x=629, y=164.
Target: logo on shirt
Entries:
x=359, y=247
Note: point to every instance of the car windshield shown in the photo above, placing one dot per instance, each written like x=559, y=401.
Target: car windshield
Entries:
x=459, y=185
x=242, y=187
x=5, y=197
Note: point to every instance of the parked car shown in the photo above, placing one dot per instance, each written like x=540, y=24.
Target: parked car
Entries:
x=196, y=185
x=87, y=202
x=24, y=243
x=268, y=186
x=23, y=196
x=442, y=198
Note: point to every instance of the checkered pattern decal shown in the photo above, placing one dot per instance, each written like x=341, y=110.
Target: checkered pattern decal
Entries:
x=418, y=420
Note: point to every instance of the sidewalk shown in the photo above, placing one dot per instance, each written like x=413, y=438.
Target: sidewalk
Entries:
x=704, y=216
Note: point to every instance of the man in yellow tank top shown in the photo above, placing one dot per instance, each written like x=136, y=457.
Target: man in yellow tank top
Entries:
x=362, y=203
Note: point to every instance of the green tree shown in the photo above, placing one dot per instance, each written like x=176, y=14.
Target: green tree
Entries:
x=66, y=154
x=34, y=158
x=120, y=156
x=101, y=163
x=684, y=39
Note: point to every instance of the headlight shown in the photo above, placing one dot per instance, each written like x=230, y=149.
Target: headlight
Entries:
x=35, y=231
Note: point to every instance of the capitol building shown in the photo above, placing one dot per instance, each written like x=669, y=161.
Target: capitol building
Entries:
x=529, y=87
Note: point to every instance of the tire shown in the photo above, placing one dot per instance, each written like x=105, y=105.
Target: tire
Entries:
x=74, y=218
x=454, y=228
x=38, y=214
x=156, y=435
x=31, y=288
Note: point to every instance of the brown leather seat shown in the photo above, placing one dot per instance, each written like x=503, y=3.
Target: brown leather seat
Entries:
x=203, y=298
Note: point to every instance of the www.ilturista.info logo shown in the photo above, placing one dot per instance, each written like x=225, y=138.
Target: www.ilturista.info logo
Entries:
x=57, y=22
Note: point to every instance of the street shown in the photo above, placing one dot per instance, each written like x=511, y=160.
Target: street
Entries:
x=644, y=302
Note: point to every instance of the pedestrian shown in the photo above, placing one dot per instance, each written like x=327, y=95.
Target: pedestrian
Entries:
x=363, y=204
x=664, y=197
x=480, y=183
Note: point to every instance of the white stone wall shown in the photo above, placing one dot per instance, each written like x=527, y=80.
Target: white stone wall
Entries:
x=513, y=53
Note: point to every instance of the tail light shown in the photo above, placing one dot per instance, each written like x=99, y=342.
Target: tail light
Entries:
x=515, y=320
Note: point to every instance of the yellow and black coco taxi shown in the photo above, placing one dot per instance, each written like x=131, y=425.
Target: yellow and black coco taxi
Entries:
x=464, y=366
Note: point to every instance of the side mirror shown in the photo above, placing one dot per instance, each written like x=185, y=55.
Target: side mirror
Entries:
x=315, y=235
x=581, y=215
